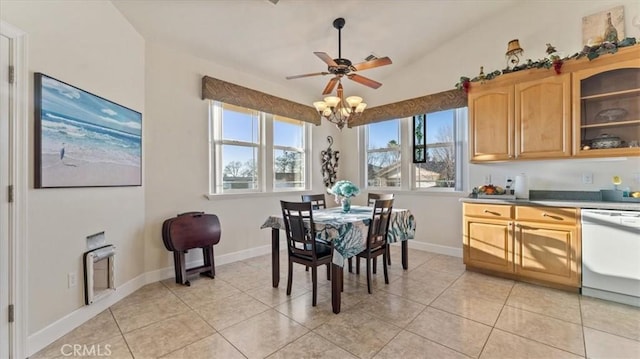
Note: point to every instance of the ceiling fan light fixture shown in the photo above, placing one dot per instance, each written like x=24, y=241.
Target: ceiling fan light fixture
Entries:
x=338, y=110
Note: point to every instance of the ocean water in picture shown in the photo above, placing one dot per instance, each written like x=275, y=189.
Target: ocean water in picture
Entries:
x=85, y=138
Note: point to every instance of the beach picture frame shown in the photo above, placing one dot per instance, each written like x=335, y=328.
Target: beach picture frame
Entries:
x=83, y=140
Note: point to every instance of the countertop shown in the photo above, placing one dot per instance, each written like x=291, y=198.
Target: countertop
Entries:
x=626, y=206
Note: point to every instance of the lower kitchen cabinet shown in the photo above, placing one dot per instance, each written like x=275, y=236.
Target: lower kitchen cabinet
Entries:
x=488, y=237
x=489, y=244
x=541, y=244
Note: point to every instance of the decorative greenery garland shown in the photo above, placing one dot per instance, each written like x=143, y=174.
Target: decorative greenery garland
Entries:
x=591, y=52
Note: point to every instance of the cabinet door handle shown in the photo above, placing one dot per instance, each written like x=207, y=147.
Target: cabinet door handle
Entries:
x=491, y=212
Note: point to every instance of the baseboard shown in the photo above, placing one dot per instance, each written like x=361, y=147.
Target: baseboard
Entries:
x=49, y=334
x=435, y=248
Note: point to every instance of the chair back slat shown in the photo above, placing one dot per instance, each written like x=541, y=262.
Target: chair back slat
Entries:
x=372, y=197
x=299, y=227
x=317, y=200
x=379, y=226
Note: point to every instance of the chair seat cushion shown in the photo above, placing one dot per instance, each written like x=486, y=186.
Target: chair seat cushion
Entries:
x=322, y=250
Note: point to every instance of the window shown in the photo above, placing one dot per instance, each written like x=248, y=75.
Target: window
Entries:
x=439, y=169
x=383, y=154
x=288, y=153
x=441, y=149
x=253, y=151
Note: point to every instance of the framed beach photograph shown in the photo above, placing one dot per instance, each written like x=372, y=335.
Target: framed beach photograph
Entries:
x=84, y=140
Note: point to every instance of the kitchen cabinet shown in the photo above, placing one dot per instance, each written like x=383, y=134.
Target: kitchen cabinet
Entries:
x=592, y=109
x=491, y=124
x=547, y=244
x=488, y=241
x=607, y=110
x=541, y=244
x=543, y=118
x=525, y=120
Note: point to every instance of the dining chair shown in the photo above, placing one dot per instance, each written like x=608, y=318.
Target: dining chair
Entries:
x=317, y=200
x=302, y=246
x=377, y=238
x=371, y=200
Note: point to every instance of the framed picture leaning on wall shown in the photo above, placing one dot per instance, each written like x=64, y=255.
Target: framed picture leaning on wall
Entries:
x=83, y=140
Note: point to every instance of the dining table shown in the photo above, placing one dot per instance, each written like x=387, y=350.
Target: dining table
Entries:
x=347, y=232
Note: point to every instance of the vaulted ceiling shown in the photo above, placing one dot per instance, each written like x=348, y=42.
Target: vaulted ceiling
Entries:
x=272, y=41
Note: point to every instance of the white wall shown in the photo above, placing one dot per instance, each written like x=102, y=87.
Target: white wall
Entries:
x=89, y=45
x=177, y=161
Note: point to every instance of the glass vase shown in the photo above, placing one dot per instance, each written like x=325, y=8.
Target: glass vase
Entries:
x=346, y=204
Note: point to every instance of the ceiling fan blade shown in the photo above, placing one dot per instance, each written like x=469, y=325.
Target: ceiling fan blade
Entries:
x=332, y=83
x=306, y=75
x=372, y=63
x=364, y=81
x=326, y=58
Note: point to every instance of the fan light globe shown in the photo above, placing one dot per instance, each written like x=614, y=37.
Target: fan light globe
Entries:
x=361, y=107
x=332, y=101
x=320, y=105
x=354, y=101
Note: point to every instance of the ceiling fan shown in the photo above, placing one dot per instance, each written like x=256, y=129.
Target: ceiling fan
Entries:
x=343, y=67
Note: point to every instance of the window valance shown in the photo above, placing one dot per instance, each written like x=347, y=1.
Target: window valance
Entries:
x=218, y=90
x=441, y=101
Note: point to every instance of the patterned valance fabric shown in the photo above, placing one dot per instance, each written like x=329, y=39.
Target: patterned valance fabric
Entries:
x=226, y=92
x=430, y=103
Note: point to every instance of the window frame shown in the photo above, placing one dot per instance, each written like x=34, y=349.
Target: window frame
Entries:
x=364, y=158
x=265, y=158
x=407, y=167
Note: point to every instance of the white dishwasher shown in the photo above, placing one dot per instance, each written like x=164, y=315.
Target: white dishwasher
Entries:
x=611, y=255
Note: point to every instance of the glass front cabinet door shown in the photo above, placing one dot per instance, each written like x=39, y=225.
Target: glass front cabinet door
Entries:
x=607, y=110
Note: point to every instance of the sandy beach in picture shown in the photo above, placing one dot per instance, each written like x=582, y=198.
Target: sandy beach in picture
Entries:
x=71, y=172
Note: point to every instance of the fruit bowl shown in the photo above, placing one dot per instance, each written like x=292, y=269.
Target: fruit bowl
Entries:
x=490, y=189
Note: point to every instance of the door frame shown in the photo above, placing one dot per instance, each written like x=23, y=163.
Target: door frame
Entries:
x=18, y=176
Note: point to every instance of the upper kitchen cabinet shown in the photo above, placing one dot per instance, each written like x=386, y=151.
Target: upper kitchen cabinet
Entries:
x=491, y=124
x=606, y=110
x=521, y=120
x=543, y=118
x=591, y=109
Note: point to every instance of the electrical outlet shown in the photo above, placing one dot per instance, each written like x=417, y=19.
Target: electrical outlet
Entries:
x=487, y=179
x=587, y=178
x=72, y=279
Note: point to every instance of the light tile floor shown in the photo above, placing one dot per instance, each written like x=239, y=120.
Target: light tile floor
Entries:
x=436, y=309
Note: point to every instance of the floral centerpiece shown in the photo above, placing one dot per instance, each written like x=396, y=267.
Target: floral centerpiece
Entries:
x=343, y=191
